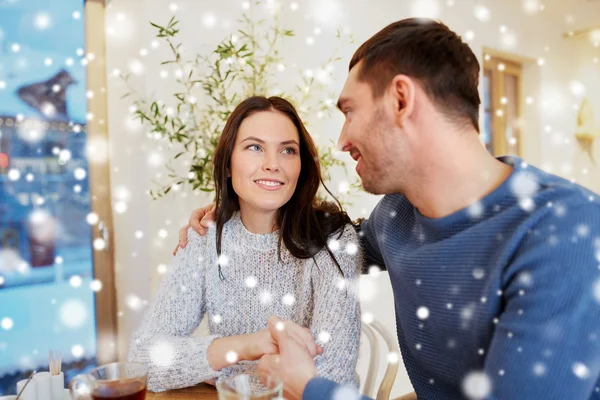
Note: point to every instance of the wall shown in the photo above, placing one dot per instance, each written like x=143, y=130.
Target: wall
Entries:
x=136, y=160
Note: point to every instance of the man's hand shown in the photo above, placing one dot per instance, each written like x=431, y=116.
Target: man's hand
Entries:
x=200, y=220
x=262, y=342
x=294, y=365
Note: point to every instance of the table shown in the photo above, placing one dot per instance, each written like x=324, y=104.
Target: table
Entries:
x=202, y=391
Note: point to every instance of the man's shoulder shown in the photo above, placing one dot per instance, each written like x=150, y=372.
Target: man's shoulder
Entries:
x=393, y=204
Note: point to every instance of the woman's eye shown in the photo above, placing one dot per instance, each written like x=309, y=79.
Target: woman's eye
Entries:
x=289, y=150
x=254, y=147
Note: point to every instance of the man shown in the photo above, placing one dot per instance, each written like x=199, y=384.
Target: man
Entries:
x=494, y=264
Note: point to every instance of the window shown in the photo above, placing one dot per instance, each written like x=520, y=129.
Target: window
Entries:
x=502, y=100
x=50, y=298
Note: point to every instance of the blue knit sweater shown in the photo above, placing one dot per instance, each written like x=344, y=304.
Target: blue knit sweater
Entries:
x=497, y=301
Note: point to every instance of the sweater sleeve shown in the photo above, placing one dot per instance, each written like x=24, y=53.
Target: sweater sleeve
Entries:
x=368, y=242
x=336, y=313
x=546, y=343
x=323, y=389
x=164, y=342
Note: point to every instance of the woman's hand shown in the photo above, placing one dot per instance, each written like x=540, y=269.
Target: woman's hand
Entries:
x=258, y=344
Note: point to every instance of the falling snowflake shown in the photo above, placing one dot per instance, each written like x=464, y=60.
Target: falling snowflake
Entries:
x=77, y=351
x=231, y=357
x=265, y=297
x=75, y=281
x=217, y=319
x=367, y=318
x=345, y=392
x=99, y=244
x=393, y=357
x=525, y=278
x=581, y=370
x=476, y=385
x=374, y=270
x=333, y=244
x=475, y=210
x=96, y=285
x=351, y=248
x=251, y=282
x=467, y=312
x=324, y=337
x=531, y=6
x=161, y=269
x=482, y=13
x=223, y=260
x=134, y=302
x=92, y=218
x=539, y=369
x=73, y=313
x=162, y=354
x=527, y=204
x=524, y=185
x=583, y=230
x=423, y=313
x=288, y=299
x=478, y=273
x=7, y=323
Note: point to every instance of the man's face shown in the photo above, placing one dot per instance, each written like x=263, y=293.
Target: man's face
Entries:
x=370, y=135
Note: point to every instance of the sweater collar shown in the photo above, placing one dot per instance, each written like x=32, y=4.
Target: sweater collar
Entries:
x=258, y=241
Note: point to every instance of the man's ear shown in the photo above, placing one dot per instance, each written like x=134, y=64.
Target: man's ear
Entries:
x=402, y=92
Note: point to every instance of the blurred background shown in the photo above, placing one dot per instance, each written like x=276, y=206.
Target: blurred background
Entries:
x=108, y=122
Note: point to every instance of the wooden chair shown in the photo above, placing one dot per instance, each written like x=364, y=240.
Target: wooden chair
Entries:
x=370, y=330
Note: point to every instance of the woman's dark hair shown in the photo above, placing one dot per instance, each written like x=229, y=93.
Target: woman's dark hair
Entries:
x=304, y=223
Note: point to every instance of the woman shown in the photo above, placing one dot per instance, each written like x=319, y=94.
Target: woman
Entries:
x=274, y=250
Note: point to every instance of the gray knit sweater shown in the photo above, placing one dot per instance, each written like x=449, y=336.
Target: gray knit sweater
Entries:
x=257, y=285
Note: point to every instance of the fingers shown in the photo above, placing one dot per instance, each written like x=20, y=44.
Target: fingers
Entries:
x=182, y=237
x=267, y=365
x=176, y=248
x=209, y=217
x=289, y=330
x=304, y=336
x=276, y=327
x=194, y=221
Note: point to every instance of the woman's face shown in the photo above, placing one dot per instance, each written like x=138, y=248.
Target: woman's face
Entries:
x=265, y=163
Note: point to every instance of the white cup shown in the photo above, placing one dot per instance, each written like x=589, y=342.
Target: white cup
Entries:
x=44, y=385
x=58, y=386
x=30, y=392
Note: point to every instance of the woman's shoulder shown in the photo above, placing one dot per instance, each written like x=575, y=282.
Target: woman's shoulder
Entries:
x=346, y=234
x=345, y=247
x=199, y=243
